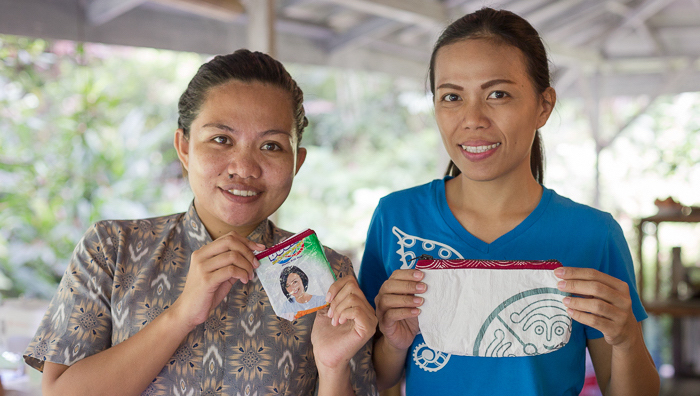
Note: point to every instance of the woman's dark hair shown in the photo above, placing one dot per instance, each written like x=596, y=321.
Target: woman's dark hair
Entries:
x=285, y=274
x=242, y=65
x=507, y=28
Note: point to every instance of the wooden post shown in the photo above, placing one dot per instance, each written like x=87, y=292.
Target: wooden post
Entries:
x=261, y=26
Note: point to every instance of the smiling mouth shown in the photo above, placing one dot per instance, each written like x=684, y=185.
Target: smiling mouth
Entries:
x=479, y=149
x=243, y=193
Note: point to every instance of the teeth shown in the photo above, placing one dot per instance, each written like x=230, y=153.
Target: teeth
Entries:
x=480, y=149
x=243, y=193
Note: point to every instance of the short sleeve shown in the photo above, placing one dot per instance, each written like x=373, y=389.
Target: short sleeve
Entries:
x=616, y=261
x=78, y=323
x=372, y=271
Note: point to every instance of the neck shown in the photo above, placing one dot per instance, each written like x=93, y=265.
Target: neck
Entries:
x=217, y=228
x=495, y=197
x=304, y=298
x=490, y=209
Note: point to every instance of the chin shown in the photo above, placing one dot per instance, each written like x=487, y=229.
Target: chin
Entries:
x=236, y=221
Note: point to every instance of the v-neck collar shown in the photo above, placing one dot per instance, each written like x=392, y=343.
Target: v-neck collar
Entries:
x=476, y=243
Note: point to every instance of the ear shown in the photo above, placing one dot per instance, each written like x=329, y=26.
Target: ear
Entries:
x=301, y=157
x=549, y=99
x=182, y=146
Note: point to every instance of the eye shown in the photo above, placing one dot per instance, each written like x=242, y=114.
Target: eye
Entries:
x=221, y=139
x=498, y=95
x=271, y=147
x=450, y=97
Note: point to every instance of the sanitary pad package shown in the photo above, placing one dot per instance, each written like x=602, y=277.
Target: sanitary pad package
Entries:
x=296, y=275
x=493, y=308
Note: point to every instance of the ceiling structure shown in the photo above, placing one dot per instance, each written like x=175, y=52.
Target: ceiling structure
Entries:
x=598, y=48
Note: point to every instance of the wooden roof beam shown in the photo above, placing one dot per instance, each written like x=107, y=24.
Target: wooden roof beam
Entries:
x=223, y=10
x=362, y=34
x=103, y=11
x=420, y=12
x=639, y=15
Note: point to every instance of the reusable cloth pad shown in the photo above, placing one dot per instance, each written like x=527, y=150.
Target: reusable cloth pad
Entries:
x=493, y=308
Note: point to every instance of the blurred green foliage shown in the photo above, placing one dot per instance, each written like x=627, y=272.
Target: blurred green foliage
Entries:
x=86, y=132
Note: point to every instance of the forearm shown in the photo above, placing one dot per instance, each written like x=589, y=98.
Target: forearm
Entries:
x=388, y=363
x=633, y=372
x=335, y=382
x=124, y=369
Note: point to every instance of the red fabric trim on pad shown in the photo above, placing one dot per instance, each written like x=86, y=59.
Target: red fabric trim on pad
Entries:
x=489, y=264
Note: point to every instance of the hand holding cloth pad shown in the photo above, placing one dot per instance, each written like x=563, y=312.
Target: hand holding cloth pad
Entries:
x=493, y=308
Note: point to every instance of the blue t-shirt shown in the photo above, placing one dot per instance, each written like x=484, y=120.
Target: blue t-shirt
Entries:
x=418, y=221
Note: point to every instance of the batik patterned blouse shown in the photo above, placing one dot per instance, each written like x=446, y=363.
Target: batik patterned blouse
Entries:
x=124, y=273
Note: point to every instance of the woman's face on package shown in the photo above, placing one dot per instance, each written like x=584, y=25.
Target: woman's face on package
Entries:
x=295, y=287
x=487, y=108
x=241, y=155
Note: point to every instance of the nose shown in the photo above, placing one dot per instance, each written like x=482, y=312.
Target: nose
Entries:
x=244, y=163
x=474, y=116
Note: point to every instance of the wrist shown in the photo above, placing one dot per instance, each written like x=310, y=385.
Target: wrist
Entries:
x=390, y=349
x=631, y=345
x=177, y=319
x=333, y=380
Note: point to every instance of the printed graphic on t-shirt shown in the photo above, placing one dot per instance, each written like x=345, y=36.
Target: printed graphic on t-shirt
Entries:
x=411, y=247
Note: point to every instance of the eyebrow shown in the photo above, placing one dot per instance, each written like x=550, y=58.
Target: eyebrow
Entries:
x=491, y=83
x=217, y=126
x=485, y=85
x=451, y=86
x=229, y=129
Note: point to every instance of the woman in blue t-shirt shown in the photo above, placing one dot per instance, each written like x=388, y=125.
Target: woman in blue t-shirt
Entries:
x=490, y=81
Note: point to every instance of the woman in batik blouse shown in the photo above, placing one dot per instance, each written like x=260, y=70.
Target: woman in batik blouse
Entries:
x=171, y=305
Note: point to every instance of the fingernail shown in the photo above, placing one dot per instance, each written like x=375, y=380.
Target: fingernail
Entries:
x=415, y=311
x=421, y=286
x=418, y=300
x=256, y=263
x=328, y=297
x=570, y=312
x=418, y=275
x=330, y=312
x=566, y=301
x=559, y=272
x=561, y=285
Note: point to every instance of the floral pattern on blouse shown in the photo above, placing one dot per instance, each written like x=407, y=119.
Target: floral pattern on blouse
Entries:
x=124, y=273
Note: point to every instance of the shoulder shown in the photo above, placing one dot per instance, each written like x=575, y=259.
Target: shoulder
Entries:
x=150, y=225
x=413, y=193
x=579, y=215
x=418, y=198
x=341, y=264
x=114, y=233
